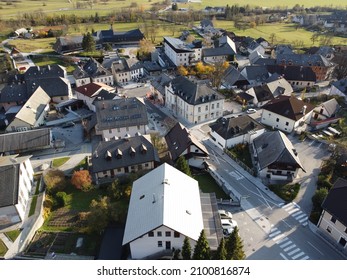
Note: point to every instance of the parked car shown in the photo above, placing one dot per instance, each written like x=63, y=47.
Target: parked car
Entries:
x=251, y=111
x=228, y=224
x=225, y=214
x=68, y=124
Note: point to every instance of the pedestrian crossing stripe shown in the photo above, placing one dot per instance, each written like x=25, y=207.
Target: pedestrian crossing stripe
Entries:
x=282, y=240
x=297, y=213
x=293, y=252
x=305, y=258
x=286, y=244
x=298, y=255
x=293, y=210
x=303, y=220
x=278, y=237
x=289, y=248
x=283, y=256
x=300, y=217
x=274, y=233
x=289, y=205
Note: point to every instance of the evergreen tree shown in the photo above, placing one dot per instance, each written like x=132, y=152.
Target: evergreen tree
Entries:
x=88, y=42
x=234, y=246
x=202, y=249
x=221, y=253
x=183, y=166
x=186, y=249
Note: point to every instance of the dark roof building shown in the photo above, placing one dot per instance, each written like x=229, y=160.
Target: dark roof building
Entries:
x=130, y=37
x=294, y=73
x=233, y=78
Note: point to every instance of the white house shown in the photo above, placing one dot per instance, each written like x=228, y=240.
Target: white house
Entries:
x=195, y=102
x=126, y=70
x=333, y=220
x=228, y=132
x=160, y=216
x=326, y=110
x=276, y=157
x=181, y=53
x=121, y=118
x=16, y=181
x=286, y=113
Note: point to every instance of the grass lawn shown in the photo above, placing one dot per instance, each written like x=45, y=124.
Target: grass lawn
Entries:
x=13, y=234
x=33, y=205
x=241, y=151
x=286, y=192
x=3, y=248
x=208, y=185
x=82, y=165
x=59, y=161
x=80, y=201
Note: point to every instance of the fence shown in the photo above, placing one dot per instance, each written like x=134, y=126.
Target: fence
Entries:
x=239, y=162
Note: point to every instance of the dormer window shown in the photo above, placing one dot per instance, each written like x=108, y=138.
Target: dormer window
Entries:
x=132, y=152
x=119, y=154
x=108, y=155
x=143, y=149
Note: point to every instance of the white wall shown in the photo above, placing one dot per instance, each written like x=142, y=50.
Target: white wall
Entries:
x=81, y=82
x=107, y=79
x=146, y=246
x=283, y=123
x=121, y=132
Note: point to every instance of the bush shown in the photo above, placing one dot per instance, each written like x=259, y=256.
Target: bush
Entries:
x=61, y=199
x=314, y=217
x=82, y=180
x=55, y=181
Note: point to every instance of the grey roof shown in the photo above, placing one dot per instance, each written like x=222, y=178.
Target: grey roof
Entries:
x=294, y=73
x=95, y=69
x=25, y=140
x=9, y=179
x=283, y=49
x=335, y=202
x=206, y=22
x=160, y=82
x=179, y=139
x=126, y=64
x=255, y=73
x=123, y=112
x=232, y=127
x=232, y=76
x=14, y=93
x=303, y=60
x=341, y=85
x=194, y=93
x=48, y=71
x=274, y=147
x=217, y=51
x=178, y=45
x=264, y=61
x=152, y=66
x=55, y=86
x=105, y=153
x=119, y=37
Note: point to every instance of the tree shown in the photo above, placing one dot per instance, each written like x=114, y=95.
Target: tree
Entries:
x=186, y=249
x=82, y=180
x=340, y=70
x=146, y=47
x=88, y=42
x=190, y=38
x=272, y=38
x=218, y=72
x=202, y=249
x=174, y=7
x=318, y=198
x=314, y=37
x=183, y=166
x=234, y=246
x=98, y=217
x=221, y=253
x=54, y=180
x=181, y=70
x=108, y=47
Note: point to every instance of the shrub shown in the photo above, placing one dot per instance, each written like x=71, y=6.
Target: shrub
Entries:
x=54, y=180
x=61, y=199
x=314, y=217
x=82, y=180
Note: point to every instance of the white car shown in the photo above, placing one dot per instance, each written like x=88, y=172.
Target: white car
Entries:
x=225, y=214
x=251, y=111
x=228, y=224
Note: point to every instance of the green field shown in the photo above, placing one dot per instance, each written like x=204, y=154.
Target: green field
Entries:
x=13, y=9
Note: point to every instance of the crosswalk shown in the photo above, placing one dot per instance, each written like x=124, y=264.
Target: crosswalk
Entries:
x=294, y=210
x=290, y=250
x=236, y=175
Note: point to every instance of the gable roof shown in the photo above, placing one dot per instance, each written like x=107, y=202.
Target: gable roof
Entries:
x=294, y=73
x=232, y=127
x=156, y=200
x=331, y=106
x=48, y=71
x=194, y=93
x=303, y=60
x=25, y=140
x=178, y=139
x=335, y=202
x=341, y=85
x=9, y=179
x=14, y=93
x=274, y=147
x=34, y=107
x=233, y=76
x=121, y=113
x=255, y=73
x=143, y=148
x=110, y=36
x=55, y=86
x=288, y=106
x=93, y=89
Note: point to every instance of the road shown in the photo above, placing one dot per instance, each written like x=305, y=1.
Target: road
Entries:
x=270, y=229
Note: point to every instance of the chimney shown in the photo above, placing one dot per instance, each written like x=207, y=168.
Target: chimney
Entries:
x=304, y=110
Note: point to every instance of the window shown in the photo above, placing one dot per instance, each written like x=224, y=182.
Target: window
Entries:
x=333, y=220
x=329, y=229
x=343, y=242
x=287, y=123
x=176, y=234
x=206, y=117
x=160, y=243
x=206, y=108
x=277, y=120
x=146, y=164
x=138, y=127
x=151, y=234
x=217, y=105
x=167, y=233
x=199, y=118
x=110, y=131
x=159, y=233
x=199, y=109
x=212, y=106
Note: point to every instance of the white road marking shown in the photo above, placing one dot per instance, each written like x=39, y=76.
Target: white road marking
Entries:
x=288, y=205
x=286, y=223
x=294, y=251
x=305, y=258
x=297, y=213
x=298, y=255
x=293, y=211
x=303, y=220
x=289, y=248
x=282, y=240
x=286, y=244
x=304, y=224
x=278, y=237
x=281, y=204
x=296, y=204
x=283, y=256
x=274, y=234
x=300, y=217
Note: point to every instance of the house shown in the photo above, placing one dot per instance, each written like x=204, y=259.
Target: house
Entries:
x=181, y=53
x=233, y=78
x=286, y=113
x=91, y=92
x=13, y=95
x=16, y=181
x=326, y=110
x=322, y=67
x=119, y=38
x=33, y=112
x=68, y=44
x=325, y=51
x=333, y=220
x=158, y=87
x=263, y=42
x=339, y=88
x=276, y=157
x=121, y=117
x=254, y=46
x=224, y=50
x=228, y=132
x=196, y=102
x=255, y=75
x=160, y=216
x=92, y=71
x=26, y=141
x=126, y=70
x=181, y=143
x=299, y=77
x=123, y=156
x=264, y=93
